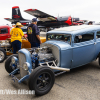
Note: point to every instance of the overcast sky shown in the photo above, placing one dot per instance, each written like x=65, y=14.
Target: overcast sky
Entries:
x=83, y=9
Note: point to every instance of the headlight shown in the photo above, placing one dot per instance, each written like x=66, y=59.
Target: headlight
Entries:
x=25, y=66
x=14, y=60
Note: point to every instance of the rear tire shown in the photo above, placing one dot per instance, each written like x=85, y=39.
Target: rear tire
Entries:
x=41, y=80
x=2, y=55
x=8, y=66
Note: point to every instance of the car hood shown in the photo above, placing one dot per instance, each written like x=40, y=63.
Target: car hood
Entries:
x=60, y=44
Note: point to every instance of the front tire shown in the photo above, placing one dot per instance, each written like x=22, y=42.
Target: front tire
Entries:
x=8, y=66
x=2, y=55
x=41, y=80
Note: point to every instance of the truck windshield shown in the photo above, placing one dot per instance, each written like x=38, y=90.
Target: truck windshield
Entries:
x=3, y=31
x=59, y=37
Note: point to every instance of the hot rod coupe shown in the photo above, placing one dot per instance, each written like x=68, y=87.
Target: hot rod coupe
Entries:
x=66, y=48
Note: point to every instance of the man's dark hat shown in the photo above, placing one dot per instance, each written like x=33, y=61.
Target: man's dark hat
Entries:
x=34, y=20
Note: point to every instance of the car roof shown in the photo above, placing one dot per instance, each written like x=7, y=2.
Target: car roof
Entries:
x=4, y=26
x=75, y=29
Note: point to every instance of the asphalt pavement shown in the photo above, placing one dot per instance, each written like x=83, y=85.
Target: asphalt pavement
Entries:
x=81, y=83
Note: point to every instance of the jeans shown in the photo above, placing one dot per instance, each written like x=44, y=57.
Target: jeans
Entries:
x=33, y=44
x=16, y=46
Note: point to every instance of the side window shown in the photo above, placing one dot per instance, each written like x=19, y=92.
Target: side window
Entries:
x=3, y=31
x=98, y=34
x=84, y=37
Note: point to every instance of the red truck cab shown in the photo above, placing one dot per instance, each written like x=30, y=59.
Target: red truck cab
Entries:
x=5, y=32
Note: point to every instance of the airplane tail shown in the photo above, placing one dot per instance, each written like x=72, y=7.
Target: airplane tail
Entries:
x=69, y=20
x=16, y=14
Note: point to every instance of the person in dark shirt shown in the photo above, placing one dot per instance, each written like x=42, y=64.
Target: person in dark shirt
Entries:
x=33, y=34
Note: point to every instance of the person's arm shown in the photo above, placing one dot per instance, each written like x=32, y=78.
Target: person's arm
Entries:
x=22, y=34
x=27, y=32
x=11, y=32
x=39, y=38
x=25, y=37
x=37, y=34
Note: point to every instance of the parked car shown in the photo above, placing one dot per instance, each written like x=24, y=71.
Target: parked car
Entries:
x=24, y=29
x=66, y=48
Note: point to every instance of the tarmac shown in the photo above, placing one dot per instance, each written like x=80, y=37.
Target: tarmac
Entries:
x=81, y=83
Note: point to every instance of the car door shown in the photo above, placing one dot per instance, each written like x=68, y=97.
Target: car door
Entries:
x=83, y=49
x=97, y=43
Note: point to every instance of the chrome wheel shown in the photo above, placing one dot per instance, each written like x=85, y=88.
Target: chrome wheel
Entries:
x=2, y=55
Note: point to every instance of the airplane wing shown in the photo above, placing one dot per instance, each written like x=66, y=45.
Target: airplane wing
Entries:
x=8, y=19
x=40, y=15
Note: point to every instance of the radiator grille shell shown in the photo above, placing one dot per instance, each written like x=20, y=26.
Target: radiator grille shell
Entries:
x=22, y=60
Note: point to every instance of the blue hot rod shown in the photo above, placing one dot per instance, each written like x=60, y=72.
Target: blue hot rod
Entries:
x=66, y=48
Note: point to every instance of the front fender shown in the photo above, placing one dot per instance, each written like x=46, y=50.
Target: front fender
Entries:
x=25, y=53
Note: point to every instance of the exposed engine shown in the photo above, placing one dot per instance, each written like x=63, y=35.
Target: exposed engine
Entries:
x=5, y=44
x=41, y=55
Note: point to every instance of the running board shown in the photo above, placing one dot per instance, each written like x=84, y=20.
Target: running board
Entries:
x=59, y=73
x=59, y=68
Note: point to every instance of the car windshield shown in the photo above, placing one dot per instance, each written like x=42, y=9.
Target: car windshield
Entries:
x=59, y=37
x=24, y=29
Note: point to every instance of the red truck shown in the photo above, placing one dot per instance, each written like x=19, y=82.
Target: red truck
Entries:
x=5, y=32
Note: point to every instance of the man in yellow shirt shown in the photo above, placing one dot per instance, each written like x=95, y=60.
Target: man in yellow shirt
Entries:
x=16, y=37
